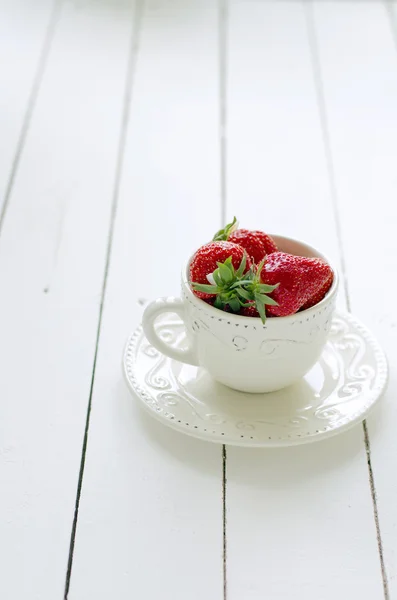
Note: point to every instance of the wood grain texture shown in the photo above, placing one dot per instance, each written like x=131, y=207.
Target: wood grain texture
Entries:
x=150, y=518
x=360, y=86
x=52, y=253
x=295, y=517
x=25, y=33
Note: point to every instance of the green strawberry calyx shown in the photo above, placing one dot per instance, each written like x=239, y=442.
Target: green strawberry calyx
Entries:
x=223, y=234
x=235, y=289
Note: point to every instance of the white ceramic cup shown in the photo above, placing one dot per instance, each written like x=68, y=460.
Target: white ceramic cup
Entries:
x=241, y=352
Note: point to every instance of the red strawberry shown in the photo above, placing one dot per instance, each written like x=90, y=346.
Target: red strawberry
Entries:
x=206, y=259
x=267, y=241
x=251, y=242
x=319, y=295
x=249, y=311
x=257, y=243
x=300, y=279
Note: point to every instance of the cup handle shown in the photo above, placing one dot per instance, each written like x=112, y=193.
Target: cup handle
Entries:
x=154, y=310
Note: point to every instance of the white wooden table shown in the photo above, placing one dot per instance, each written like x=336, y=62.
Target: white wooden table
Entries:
x=129, y=131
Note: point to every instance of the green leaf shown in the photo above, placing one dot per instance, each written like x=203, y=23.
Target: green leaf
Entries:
x=240, y=283
x=244, y=294
x=220, y=236
x=218, y=303
x=229, y=264
x=241, y=269
x=251, y=275
x=267, y=289
x=261, y=310
x=224, y=233
x=225, y=273
x=234, y=304
x=217, y=278
x=203, y=287
x=265, y=299
x=259, y=268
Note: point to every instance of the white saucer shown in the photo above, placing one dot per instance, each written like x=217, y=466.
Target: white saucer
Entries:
x=338, y=392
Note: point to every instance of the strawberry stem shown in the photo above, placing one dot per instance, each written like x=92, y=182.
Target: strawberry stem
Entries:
x=235, y=289
x=223, y=234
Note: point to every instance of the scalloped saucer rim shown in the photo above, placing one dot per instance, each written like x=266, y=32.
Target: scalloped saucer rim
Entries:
x=186, y=398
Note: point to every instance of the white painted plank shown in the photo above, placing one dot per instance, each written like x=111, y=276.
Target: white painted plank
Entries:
x=150, y=518
x=391, y=7
x=23, y=28
x=276, y=168
x=360, y=83
x=52, y=253
x=299, y=521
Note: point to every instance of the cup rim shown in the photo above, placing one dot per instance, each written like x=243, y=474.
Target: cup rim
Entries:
x=274, y=320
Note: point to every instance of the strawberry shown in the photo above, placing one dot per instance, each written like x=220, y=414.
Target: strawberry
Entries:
x=249, y=311
x=267, y=241
x=256, y=243
x=232, y=289
x=206, y=260
x=250, y=242
x=319, y=295
x=300, y=280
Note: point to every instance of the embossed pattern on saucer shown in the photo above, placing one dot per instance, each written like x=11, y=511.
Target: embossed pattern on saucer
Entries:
x=337, y=393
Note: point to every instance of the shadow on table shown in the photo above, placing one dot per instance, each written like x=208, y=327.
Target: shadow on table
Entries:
x=202, y=456
x=284, y=467
x=259, y=467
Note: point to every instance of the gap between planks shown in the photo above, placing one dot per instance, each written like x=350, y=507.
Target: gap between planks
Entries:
x=317, y=74
x=223, y=14
x=132, y=60
x=41, y=66
x=222, y=58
